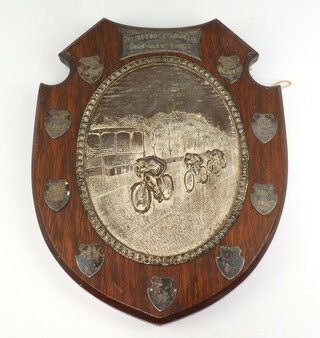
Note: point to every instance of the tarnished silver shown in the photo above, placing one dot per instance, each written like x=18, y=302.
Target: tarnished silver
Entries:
x=90, y=69
x=145, y=41
x=229, y=68
x=162, y=293
x=264, y=127
x=147, y=125
x=57, y=122
x=90, y=259
x=57, y=194
x=230, y=262
x=263, y=198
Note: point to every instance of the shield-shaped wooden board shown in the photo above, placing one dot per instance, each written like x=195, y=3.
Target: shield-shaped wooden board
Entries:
x=159, y=166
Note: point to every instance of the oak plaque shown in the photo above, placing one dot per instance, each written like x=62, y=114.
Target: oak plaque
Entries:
x=159, y=166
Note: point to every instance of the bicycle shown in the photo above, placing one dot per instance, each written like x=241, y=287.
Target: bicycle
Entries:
x=216, y=161
x=200, y=174
x=142, y=192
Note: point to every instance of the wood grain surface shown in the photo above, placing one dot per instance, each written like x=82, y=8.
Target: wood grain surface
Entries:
x=122, y=282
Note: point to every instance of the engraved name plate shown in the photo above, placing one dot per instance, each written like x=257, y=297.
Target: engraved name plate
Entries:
x=138, y=41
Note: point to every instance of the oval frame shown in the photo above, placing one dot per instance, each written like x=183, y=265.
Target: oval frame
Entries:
x=97, y=224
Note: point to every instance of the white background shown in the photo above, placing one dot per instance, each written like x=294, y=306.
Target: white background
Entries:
x=281, y=297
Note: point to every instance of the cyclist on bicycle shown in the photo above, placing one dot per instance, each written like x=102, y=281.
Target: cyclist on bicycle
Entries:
x=218, y=160
x=153, y=168
x=193, y=161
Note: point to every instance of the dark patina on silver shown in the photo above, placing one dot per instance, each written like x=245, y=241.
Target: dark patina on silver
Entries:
x=162, y=293
x=263, y=198
x=90, y=259
x=230, y=262
x=264, y=127
x=57, y=194
x=230, y=68
x=144, y=41
x=90, y=69
x=57, y=122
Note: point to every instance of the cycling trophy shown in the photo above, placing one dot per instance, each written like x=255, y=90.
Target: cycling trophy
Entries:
x=159, y=166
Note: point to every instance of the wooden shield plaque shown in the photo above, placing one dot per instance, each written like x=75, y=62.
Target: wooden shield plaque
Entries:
x=159, y=166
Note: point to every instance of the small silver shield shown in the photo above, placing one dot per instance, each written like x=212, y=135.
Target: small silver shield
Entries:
x=264, y=127
x=90, y=69
x=230, y=262
x=229, y=68
x=90, y=259
x=57, y=194
x=263, y=198
x=161, y=293
x=57, y=122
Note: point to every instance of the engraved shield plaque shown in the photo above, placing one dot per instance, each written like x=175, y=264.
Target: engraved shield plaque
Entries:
x=264, y=198
x=177, y=180
x=57, y=194
x=264, y=127
x=230, y=261
x=229, y=68
x=57, y=122
x=90, y=259
x=161, y=293
x=90, y=69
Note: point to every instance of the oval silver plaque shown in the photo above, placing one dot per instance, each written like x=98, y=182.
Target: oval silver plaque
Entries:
x=162, y=161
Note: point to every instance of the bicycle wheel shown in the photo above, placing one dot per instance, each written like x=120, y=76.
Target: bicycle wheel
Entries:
x=189, y=181
x=167, y=186
x=203, y=175
x=210, y=166
x=223, y=163
x=140, y=197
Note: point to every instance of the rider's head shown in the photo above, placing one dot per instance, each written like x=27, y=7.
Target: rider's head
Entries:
x=141, y=162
